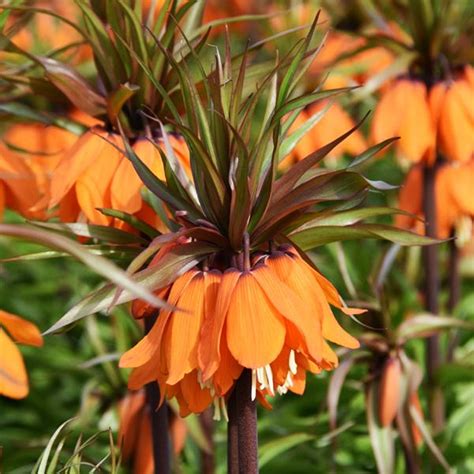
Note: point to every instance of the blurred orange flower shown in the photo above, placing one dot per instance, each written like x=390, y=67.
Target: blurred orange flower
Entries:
x=454, y=195
x=404, y=111
x=95, y=174
x=452, y=107
x=438, y=120
x=135, y=433
x=13, y=376
x=18, y=184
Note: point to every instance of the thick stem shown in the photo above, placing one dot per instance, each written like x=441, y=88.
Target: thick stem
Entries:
x=159, y=421
x=207, y=458
x=431, y=266
x=247, y=422
x=243, y=416
x=454, y=292
x=233, y=435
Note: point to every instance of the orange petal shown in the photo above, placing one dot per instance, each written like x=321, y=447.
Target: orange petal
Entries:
x=197, y=398
x=20, y=330
x=228, y=371
x=143, y=456
x=255, y=331
x=456, y=126
x=291, y=307
x=75, y=162
x=93, y=185
x=410, y=198
x=209, y=347
x=417, y=132
x=183, y=330
x=388, y=115
x=142, y=352
x=13, y=377
x=130, y=409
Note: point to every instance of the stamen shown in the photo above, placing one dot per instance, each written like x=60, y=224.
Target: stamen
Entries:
x=224, y=409
x=269, y=374
x=261, y=378
x=254, y=385
x=292, y=362
x=217, y=409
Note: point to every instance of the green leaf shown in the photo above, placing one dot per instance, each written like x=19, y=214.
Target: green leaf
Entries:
x=73, y=86
x=350, y=217
x=425, y=325
x=93, y=231
x=96, y=263
x=117, y=99
x=133, y=221
x=43, y=461
x=272, y=449
x=370, y=152
x=176, y=262
x=425, y=432
x=321, y=235
x=24, y=112
x=381, y=438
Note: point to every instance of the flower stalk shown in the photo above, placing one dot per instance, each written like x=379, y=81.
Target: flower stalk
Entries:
x=432, y=286
x=159, y=420
x=242, y=428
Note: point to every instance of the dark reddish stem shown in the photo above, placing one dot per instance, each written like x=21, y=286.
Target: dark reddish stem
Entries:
x=242, y=428
x=159, y=421
x=432, y=284
x=233, y=435
x=207, y=458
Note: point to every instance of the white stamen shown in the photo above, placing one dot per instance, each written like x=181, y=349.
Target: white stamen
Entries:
x=217, y=410
x=292, y=362
x=261, y=378
x=254, y=384
x=224, y=409
x=269, y=374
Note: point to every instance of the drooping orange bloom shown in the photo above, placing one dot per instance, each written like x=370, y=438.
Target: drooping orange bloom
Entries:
x=135, y=434
x=274, y=319
x=452, y=107
x=13, y=376
x=95, y=174
x=335, y=122
x=404, y=111
x=454, y=195
x=39, y=148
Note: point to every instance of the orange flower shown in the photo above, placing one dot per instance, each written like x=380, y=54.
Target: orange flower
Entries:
x=273, y=319
x=94, y=174
x=404, y=111
x=13, y=376
x=135, y=434
x=454, y=197
x=453, y=111
x=40, y=148
x=334, y=123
